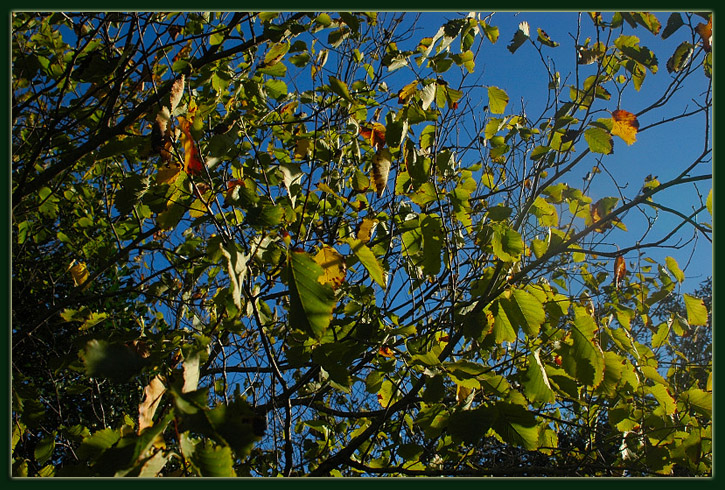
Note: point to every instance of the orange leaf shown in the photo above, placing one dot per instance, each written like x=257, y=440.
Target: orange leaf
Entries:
x=620, y=269
x=705, y=32
x=333, y=266
x=381, y=169
x=386, y=351
x=625, y=125
x=192, y=160
x=167, y=174
x=375, y=134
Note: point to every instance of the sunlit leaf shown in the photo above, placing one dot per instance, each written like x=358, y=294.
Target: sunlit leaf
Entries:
x=536, y=384
x=497, y=100
x=674, y=268
x=333, y=266
x=599, y=140
x=152, y=398
x=340, y=88
x=407, y=92
x=364, y=230
x=620, y=269
x=705, y=32
x=680, y=58
x=381, y=169
x=79, y=273
x=696, y=310
x=177, y=91
x=708, y=203
x=368, y=260
x=275, y=53
x=192, y=159
x=544, y=39
x=311, y=302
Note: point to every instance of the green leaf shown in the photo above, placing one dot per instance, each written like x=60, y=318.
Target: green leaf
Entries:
x=340, y=88
x=506, y=242
x=700, y=401
x=599, y=140
x=520, y=37
x=584, y=358
x=680, y=57
x=432, y=231
x=213, y=460
x=696, y=310
x=275, y=53
x=276, y=89
x=115, y=361
x=663, y=397
x=544, y=39
x=708, y=203
x=536, y=383
x=674, y=268
x=471, y=426
x=44, y=449
x=674, y=22
x=497, y=100
x=132, y=189
x=368, y=260
x=629, y=46
x=516, y=425
x=524, y=310
x=311, y=303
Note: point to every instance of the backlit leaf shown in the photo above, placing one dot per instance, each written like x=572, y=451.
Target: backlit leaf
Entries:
x=497, y=100
x=674, y=268
x=620, y=269
x=696, y=310
x=705, y=32
x=368, y=260
x=311, y=302
x=364, y=230
x=407, y=92
x=536, y=384
x=333, y=266
x=192, y=159
x=544, y=39
x=275, y=53
x=79, y=273
x=599, y=140
x=680, y=57
x=340, y=88
x=147, y=408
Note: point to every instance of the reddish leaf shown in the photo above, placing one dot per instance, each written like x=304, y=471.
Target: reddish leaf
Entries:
x=620, y=269
x=374, y=134
x=386, y=351
x=192, y=160
x=705, y=32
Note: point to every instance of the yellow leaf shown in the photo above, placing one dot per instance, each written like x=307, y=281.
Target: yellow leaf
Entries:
x=79, y=273
x=462, y=394
x=365, y=229
x=625, y=125
x=333, y=266
x=198, y=209
x=167, y=174
x=381, y=168
x=407, y=91
x=302, y=148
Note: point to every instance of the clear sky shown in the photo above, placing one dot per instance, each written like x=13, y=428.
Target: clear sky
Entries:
x=663, y=151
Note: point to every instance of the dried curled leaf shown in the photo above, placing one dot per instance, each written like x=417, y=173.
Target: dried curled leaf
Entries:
x=381, y=169
x=152, y=397
x=620, y=269
x=177, y=91
x=625, y=125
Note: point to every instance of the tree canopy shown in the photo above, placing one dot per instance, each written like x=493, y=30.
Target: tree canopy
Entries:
x=326, y=244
